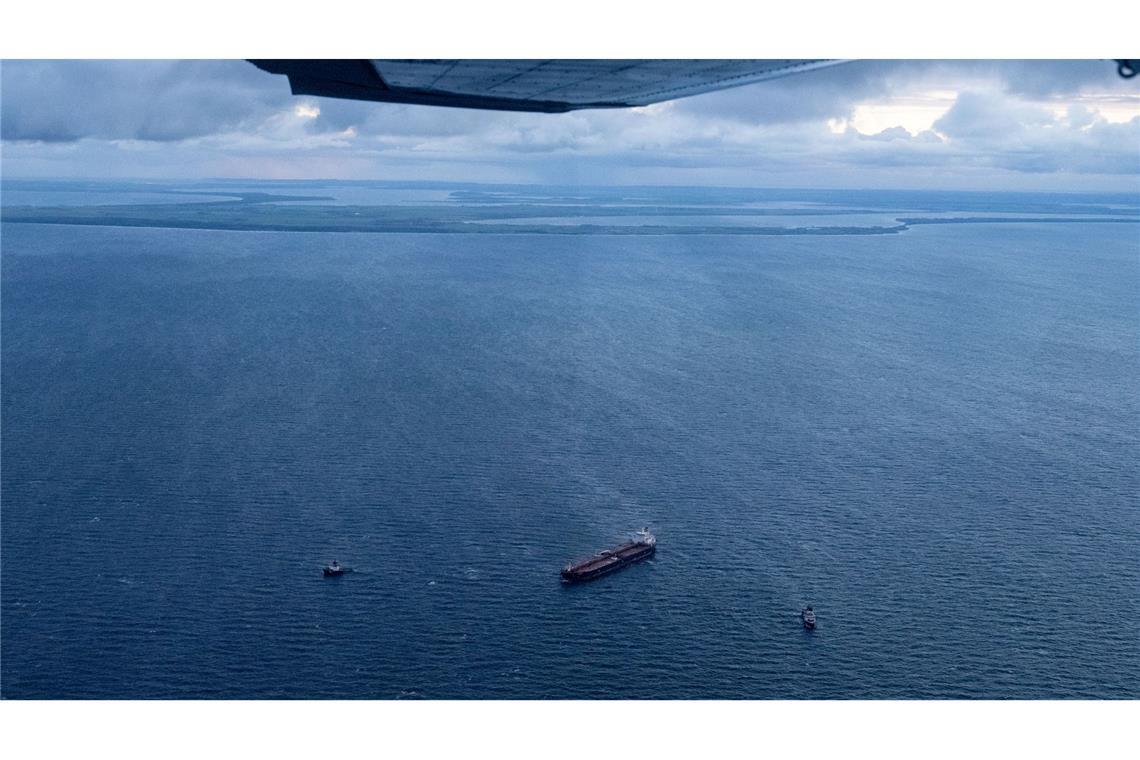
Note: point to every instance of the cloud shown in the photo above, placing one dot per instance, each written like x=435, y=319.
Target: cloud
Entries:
x=161, y=101
x=811, y=96
x=223, y=118
x=1041, y=79
x=981, y=115
x=995, y=131
x=1079, y=117
x=833, y=93
x=890, y=133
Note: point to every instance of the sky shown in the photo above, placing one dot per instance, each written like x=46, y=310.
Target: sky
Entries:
x=1006, y=125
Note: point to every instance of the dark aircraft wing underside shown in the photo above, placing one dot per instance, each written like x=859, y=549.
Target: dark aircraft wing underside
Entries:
x=550, y=86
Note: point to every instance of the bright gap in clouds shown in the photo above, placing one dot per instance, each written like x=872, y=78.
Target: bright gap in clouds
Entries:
x=1113, y=109
x=915, y=113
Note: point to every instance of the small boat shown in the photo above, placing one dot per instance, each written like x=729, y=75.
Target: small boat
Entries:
x=333, y=569
x=808, y=616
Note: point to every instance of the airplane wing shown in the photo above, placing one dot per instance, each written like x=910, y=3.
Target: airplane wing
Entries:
x=549, y=86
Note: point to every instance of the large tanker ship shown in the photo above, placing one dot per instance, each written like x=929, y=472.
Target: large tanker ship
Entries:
x=607, y=561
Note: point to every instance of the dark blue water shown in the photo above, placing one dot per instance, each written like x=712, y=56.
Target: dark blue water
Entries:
x=931, y=437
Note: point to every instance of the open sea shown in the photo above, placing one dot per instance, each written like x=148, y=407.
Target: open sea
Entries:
x=933, y=437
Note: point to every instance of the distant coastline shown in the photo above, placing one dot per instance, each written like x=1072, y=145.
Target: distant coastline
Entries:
x=265, y=216
x=536, y=210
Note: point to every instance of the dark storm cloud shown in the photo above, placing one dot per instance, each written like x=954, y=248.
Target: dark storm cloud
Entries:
x=1042, y=79
x=63, y=101
x=165, y=101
